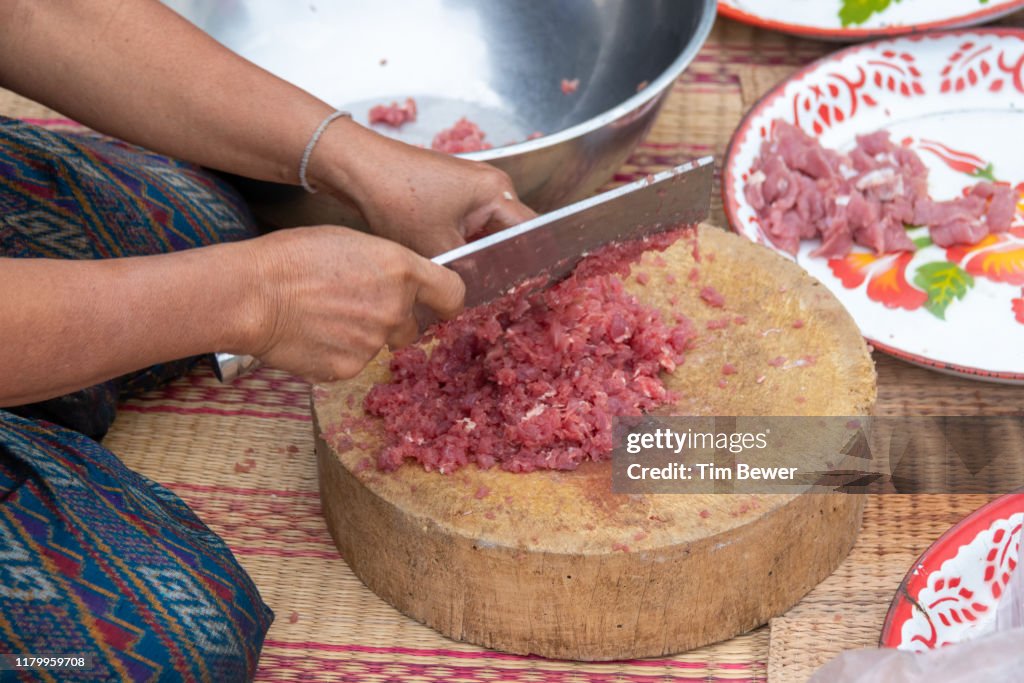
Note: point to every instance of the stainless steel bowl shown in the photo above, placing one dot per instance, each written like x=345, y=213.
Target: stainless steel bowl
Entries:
x=498, y=62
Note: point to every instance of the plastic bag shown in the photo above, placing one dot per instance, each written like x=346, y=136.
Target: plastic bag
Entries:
x=997, y=657
x=1010, y=610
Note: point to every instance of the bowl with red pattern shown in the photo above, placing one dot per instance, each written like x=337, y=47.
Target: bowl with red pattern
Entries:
x=951, y=593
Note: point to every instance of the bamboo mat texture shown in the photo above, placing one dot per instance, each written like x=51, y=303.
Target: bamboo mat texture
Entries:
x=242, y=457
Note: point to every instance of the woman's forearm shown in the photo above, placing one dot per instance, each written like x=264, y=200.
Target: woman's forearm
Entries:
x=70, y=324
x=318, y=302
x=136, y=70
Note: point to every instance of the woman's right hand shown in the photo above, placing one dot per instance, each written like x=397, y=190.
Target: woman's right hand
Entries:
x=328, y=298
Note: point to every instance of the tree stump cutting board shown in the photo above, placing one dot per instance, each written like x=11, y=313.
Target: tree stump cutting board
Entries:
x=553, y=563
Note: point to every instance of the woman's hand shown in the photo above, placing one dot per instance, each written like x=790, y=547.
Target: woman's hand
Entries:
x=330, y=298
x=428, y=201
x=318, y=302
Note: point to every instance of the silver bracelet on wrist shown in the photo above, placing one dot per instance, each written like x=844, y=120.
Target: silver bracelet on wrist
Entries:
x=308, y=152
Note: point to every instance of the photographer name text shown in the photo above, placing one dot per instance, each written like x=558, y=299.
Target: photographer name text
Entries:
x=709, y=471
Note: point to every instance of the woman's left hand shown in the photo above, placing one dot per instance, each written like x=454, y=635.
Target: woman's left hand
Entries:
x=425, y=200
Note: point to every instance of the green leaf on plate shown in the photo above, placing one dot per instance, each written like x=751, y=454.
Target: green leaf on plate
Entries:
x=943, y=282
x=988, y=173
x=858, y=11
x=922, y=242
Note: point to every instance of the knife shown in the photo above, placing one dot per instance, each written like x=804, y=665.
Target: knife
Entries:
x=549, y=247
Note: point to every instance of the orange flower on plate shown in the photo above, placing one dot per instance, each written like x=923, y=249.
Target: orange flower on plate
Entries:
x=853, y=268
x=999, y=258
x=886, y=275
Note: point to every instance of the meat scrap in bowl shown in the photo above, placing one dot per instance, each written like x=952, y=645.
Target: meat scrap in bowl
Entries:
x=394, y=114
x=532, y=380
x=802, y=190
x=464, y=136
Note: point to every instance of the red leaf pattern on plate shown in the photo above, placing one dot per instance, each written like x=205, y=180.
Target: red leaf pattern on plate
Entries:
x=837, y=98
x=896, y=72
x=961, y=162
x=961, y=594
x=1018, y=307
x=971, y=66
x=821, y=106
x=1015, y=70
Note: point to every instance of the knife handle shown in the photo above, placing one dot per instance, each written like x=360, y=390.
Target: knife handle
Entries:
x=229, y=367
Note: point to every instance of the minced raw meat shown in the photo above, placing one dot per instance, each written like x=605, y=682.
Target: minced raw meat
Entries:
x=532, y=380
x=394, y=114
x=712, y=297
x=464, y=136
x=801, y=190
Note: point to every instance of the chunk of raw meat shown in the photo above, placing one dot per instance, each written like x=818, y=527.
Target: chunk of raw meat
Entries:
x=394, y=114
x=464, y=136
x=801, y=190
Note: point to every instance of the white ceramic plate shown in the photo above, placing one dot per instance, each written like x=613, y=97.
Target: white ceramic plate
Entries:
x=861, y=19
x=957, y=98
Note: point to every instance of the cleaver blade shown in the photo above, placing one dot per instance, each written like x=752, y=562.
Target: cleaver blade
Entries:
x=547, y=248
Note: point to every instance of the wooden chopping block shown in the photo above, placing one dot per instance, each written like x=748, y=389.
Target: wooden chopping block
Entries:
x=553, y=563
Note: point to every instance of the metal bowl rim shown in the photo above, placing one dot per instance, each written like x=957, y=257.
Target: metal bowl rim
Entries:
x=652, y=91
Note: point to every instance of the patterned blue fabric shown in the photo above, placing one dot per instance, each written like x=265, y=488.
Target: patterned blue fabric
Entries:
x=83, y=196
x=95, y=558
